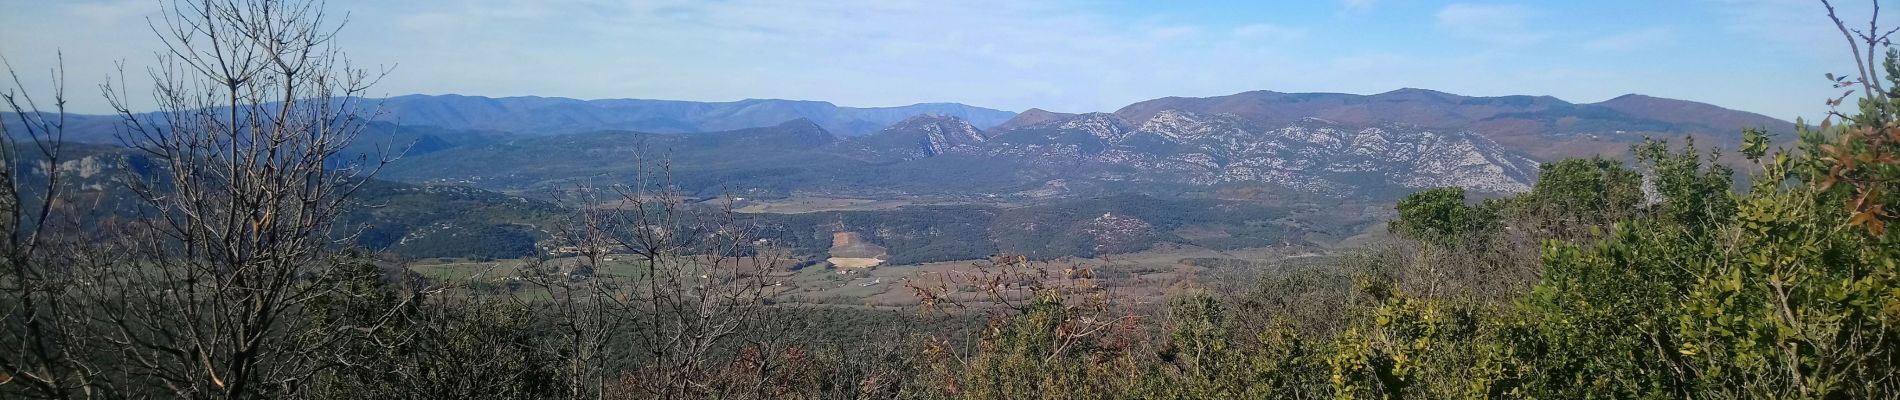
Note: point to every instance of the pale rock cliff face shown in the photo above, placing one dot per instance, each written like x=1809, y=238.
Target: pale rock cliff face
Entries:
x=1102, y=126
x=944, y=133
x=1110, y=231
x=1311, y=154
x=923, y=136
x=1176, y=124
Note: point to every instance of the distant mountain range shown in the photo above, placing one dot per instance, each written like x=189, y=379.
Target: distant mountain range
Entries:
x=931, y=155
x=554, y=115
x=1312, y=142
x=1300, y=166
x=1542, y=126
x=1312, y=155
x=1323, y=143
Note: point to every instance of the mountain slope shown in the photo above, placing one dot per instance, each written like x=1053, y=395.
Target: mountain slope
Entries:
x=1030, y=117
x=1312, y=155
x=1070, y=156
x=921, y=136
x=415, y=221
x=1691, y=116
x=553, y=115
x=1543, y=126
x=768, y=158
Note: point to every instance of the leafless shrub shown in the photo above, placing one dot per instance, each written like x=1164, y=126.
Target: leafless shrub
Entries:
x=254, y=103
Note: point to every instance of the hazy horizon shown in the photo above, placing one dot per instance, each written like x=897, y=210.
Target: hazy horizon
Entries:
x=1066, y=56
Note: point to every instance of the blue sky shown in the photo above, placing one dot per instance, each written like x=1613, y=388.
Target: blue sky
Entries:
x=1765, y=56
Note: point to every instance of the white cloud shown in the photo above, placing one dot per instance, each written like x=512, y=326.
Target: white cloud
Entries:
x=112, y=11
x=1496, y=24
x=1174, y=32
x=1800, y=26
x=1632, y=40
x=1269, y=32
